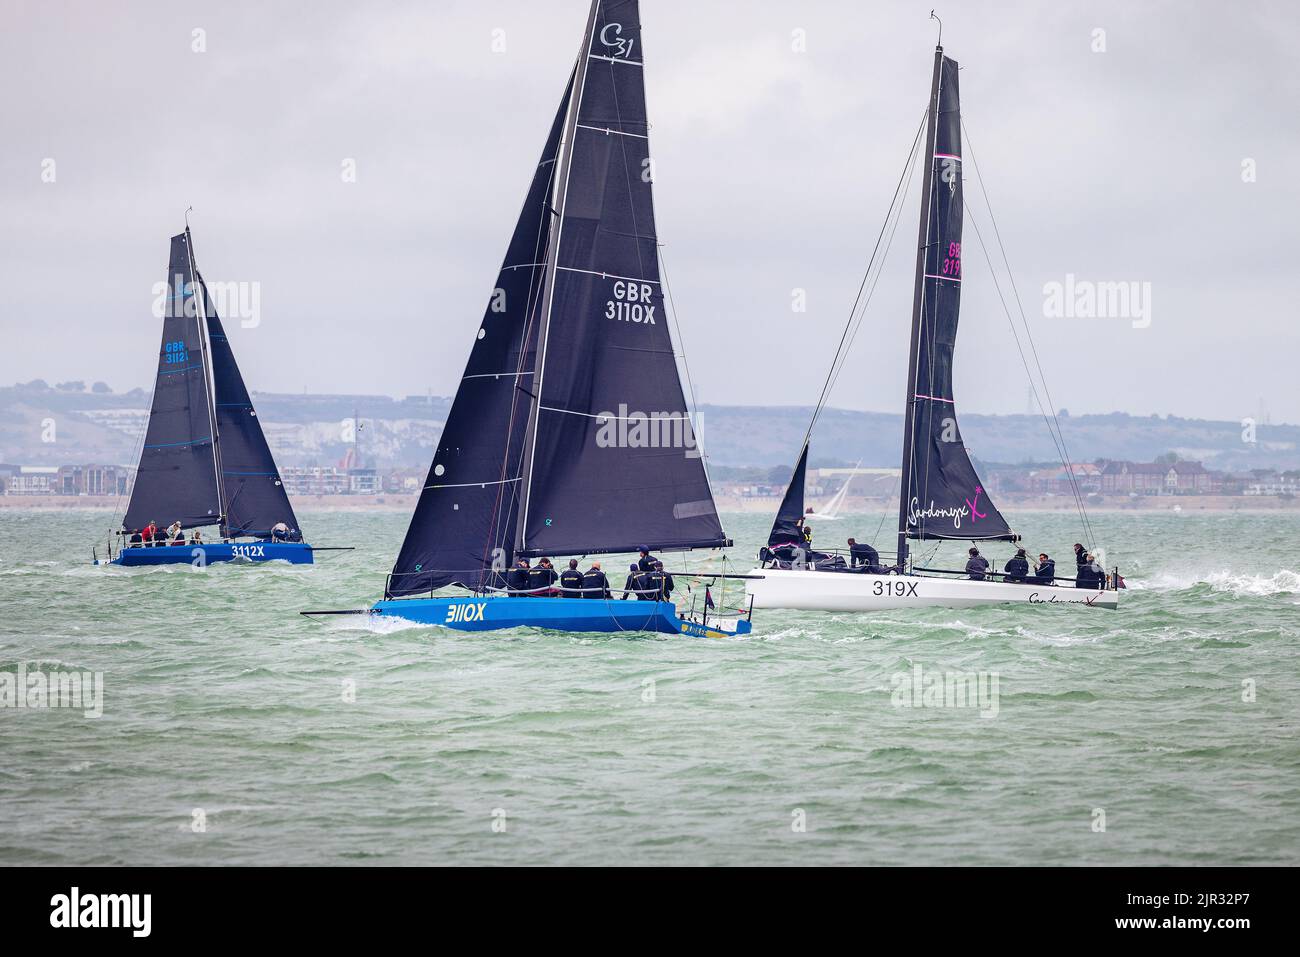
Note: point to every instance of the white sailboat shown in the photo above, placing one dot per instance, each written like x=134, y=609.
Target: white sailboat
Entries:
x=831, y=511
x=941, y=495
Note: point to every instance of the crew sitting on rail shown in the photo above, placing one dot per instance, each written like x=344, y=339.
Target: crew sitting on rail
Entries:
x=1090, y=574
x=864, y=555
x=976, y=566
x=571, y=581
x=541, y=578
x=661, y=583
x=175, y=533
x=594, y=583
x=1016, y=568
x=1045, y=572
x=517, y=579
x=281, y=532
x=196, y=537
x=630, y=587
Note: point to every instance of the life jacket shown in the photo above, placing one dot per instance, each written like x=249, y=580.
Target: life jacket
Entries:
x=595, y=584
x=571, y=583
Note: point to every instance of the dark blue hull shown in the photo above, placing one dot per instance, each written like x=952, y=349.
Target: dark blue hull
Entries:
x=559, y=614
x=296, y=553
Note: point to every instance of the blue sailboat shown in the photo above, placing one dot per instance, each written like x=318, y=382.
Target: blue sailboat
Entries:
x=205, y=463
x=569, y=434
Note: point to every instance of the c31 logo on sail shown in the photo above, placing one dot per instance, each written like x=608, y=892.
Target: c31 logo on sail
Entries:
x=611, y=37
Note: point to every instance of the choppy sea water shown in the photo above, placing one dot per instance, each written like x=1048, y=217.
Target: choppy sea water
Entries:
x=226, y=736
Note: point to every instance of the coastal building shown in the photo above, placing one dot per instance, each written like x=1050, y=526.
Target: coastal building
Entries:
x=1156, y=478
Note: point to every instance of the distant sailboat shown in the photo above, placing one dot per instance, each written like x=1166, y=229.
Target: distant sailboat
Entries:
x=205, y=462
x=561, y=437
x=942, y=497
x=830, y=512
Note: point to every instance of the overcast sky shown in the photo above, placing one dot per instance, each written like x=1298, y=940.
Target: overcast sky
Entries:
x=774, y=169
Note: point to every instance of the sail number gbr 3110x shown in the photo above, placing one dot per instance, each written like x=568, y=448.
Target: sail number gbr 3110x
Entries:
x=631, y=303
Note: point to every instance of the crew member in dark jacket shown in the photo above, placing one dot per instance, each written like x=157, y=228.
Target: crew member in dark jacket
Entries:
x=1082, y=576
x=663, y=583
x=863, y=554
x=1046, y=570
x=540, y=579
x=517, y=580
x=1016, y=568
x=571, y=581
x=976, y=566
x=646, y=563
x=630, y=586
x=1091, y=575
x=594, y=583
x=645, y=585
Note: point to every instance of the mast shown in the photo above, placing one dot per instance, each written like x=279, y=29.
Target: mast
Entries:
x=201, y=316
x=559, y=198
x=918, y=298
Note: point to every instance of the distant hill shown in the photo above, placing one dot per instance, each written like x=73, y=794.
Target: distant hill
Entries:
x=46, y=425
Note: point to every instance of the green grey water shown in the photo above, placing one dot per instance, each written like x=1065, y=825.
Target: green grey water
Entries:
x=533, y=747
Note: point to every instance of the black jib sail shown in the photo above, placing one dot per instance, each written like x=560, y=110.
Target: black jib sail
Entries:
x=569, y=432
x=942, y=496
x=785, y=529
x=252, y=491
x=177, y=475
x=464, y=523
x=612, y=463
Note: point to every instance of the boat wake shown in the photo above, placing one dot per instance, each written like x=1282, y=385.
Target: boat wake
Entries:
x=1239, y=585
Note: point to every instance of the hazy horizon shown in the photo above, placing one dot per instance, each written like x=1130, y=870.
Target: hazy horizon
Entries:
x=778, y=138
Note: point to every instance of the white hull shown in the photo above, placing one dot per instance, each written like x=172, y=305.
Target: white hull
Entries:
x=846, y=591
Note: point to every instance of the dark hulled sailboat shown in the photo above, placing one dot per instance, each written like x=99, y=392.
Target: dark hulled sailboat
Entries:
x=569, y=433
x=205, y=462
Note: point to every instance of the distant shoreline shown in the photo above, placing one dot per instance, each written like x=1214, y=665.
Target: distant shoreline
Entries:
x=1245, y=504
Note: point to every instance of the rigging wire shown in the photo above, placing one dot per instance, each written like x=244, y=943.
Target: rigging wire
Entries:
x=1053, y=423
x=856, y=317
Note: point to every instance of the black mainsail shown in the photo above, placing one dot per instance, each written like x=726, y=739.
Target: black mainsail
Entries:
x=941, y=495
x=205, y=459
x=569, y=433
x=177, y=475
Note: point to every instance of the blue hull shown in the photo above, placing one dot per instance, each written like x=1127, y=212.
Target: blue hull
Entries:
x=559, y=614
x=296, y=553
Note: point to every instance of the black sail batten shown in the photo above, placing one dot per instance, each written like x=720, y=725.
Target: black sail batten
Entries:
x=253, y=492
x=177, y=475
x=942, y=495
x=613, y=462
x=464, y=524
x=785, y=529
